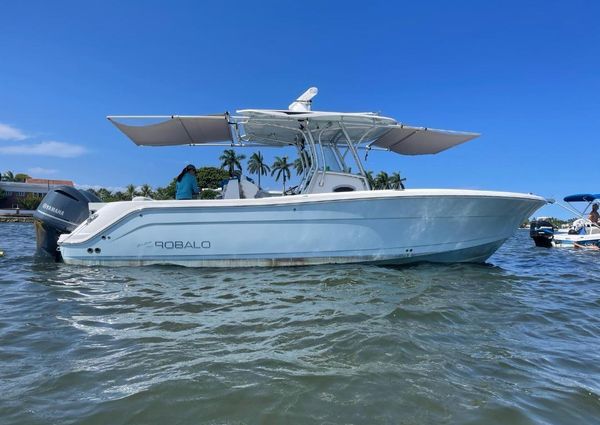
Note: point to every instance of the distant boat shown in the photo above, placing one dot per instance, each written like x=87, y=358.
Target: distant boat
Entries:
x=331, y=216
x=582, y=233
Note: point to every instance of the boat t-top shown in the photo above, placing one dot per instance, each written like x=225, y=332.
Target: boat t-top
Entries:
x=332, y=216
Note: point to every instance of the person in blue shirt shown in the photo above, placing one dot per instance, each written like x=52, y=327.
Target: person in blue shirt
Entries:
x=187, y=185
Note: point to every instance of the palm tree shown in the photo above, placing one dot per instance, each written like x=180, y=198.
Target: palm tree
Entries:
x=130, y=191
x=146, y=190
x=370, y=179
x=256, y=165
x=300, y=165
x=119, y=196
x=8, y=176
x=282, y=168
x=231, y=161
x=104, y=194
x=396, y=182
x=382, y=181
x=162, y=193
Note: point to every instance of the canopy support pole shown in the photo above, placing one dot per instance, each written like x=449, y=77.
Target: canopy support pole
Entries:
x=353, y=151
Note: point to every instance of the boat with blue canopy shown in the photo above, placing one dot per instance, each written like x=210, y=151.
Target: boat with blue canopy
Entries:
x=582, y=233
x=582, y=197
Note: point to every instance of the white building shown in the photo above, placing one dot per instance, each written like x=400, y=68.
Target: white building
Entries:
x=11, y=193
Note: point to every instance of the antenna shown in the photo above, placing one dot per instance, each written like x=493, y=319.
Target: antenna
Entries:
x=302, y=104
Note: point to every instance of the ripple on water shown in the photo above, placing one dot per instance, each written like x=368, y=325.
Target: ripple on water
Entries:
x=512, y=341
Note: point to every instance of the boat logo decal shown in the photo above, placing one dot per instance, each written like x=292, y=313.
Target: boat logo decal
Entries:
x=182, y=244
x=53, y=209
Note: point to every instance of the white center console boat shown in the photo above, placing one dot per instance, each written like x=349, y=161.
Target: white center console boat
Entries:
x=331, y=216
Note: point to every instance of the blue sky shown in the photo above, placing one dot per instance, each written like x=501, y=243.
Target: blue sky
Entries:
x=524, y=74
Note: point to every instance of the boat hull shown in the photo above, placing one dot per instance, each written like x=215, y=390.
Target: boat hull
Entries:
x=573, y=241
x=380, y=227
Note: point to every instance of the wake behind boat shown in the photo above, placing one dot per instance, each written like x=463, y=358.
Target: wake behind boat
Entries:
x=332, y=216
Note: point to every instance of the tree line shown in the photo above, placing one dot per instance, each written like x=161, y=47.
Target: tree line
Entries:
x=9, y=176
x=281, y=169
x=210, y=178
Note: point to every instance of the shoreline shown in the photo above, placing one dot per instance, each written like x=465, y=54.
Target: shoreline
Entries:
x=16, y=219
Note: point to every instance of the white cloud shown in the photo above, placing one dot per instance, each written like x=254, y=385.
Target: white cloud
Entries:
x=8, y=132
x=41, y=172
x=50, y=148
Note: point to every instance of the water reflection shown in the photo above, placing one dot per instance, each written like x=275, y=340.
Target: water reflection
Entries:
x=502, y=342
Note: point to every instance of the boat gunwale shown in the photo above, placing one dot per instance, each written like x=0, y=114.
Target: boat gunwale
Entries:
x=328, y=197
x=140, y=207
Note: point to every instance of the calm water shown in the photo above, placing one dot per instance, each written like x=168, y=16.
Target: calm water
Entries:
x=514, y=341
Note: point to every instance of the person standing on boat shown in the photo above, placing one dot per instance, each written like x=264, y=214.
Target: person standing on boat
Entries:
x=594, y=216
x=187, y=185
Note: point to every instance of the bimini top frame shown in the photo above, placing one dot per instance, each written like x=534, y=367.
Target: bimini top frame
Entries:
x=325, y=141
x=589, y=198
x=280, y=127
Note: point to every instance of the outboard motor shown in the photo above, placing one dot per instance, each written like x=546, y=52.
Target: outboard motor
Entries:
x=542, y=233
x=61, y=211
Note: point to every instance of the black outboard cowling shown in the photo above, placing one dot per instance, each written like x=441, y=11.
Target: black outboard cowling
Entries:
x=61, y=211
x=542, y=233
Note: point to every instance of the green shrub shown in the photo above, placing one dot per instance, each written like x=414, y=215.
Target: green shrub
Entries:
x=29, y=202
x=208, y=194
x=211, y=177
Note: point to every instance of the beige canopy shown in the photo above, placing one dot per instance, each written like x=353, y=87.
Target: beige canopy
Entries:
x=177, y=130
x=408, y=140
x=280, y=128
